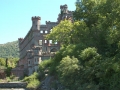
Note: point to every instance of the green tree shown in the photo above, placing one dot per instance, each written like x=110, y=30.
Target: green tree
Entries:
x=32, y=80
x=100, y=16
x=94, y=41
x=9, y=49
x=61, y=33
x=2, y=62
x=67, y=70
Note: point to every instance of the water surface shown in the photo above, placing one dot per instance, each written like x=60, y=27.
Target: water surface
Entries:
x=12, y=89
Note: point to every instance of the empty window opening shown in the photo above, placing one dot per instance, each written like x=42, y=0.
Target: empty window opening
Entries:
x=56, y=43
x=41, y=31
x=53, y=50
x=46, y=31
x=45, y=41
x=40, y=42
x=50, y=41
x=29, y=62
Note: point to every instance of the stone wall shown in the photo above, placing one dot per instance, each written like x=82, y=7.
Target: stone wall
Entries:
x=13, y=85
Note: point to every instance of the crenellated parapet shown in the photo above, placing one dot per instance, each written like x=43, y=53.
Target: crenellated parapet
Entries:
x=65, y=14
x=36, y=18
x=36, y=23
x=20, y=40
x=49, y=22
x=64, y=8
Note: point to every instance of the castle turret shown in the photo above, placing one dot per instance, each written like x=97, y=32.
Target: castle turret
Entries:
x=36, y=23
x=64, y=8
x=64, y=12
x=20, y=40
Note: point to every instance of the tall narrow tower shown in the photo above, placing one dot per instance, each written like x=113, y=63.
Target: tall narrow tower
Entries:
x=64, y=8
x=64, y=11
x=36, y=23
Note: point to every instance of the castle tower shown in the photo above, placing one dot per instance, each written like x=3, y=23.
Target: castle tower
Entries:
x=64, y=11
x=64, y=8
x=36, y=23
x=19, y=41
x=65, y=14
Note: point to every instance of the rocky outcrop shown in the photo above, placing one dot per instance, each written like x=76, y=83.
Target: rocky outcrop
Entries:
x=50, y=83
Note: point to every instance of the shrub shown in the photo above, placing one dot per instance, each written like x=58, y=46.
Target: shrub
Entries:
x=89, y=53
x=32, y=81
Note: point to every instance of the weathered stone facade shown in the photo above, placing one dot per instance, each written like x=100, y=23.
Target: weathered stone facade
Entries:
x=34, y=48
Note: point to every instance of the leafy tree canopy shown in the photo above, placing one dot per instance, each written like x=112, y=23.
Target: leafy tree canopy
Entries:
x=9, y=49
x=90, y=52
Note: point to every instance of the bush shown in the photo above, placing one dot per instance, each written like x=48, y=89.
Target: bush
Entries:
x=44, y=64
x=33, y=83
x=8, y=71
x=88, y=53
x=11, y=78
x=44, y=68
x=32, y=80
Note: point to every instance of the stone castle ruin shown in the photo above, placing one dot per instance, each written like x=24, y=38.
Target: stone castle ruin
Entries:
x=34, y=48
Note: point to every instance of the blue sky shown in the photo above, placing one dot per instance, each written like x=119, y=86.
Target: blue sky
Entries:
x=15, y=15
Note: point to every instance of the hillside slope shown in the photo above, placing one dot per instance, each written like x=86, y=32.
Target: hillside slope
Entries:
x=9, y=49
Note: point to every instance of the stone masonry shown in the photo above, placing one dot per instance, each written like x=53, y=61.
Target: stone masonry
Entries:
x=34, y=48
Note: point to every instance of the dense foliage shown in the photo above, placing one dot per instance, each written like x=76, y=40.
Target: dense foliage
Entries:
x=11, y=63
x=32, y=80
x=9, y=49
x=89, y=56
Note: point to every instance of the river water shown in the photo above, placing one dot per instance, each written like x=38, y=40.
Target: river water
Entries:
x=12, y=89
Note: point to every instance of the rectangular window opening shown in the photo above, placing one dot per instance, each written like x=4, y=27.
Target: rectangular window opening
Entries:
x=46, y=31
x=40, y=42
x=41, y=31
x=50, y=41
x=56, y=43
x=45, y=41
x=29, y=62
